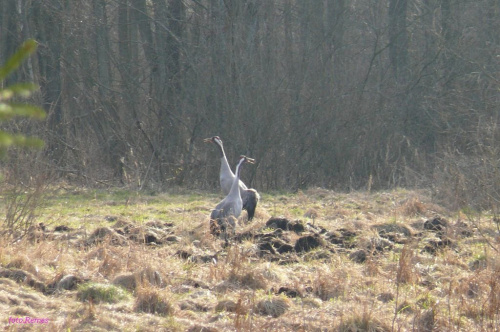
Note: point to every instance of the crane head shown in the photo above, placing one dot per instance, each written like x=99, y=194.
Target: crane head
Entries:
x=247, y=159
x=213, y=139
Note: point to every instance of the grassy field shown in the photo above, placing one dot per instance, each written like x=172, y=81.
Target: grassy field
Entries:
x=312, y=261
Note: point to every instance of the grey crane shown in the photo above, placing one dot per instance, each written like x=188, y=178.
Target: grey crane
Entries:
x=250, y=197
x=228, y=210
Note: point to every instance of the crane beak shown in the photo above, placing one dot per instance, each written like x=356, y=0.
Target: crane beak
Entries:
x=250, y=160
x=208, y=140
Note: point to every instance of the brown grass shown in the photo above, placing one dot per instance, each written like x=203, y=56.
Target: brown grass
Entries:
x=363, y=321
x=406, y=273
x=274, y=307
x=153, y=301
x=198, y=283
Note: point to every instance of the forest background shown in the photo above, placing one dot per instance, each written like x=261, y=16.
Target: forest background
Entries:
x=338, y=94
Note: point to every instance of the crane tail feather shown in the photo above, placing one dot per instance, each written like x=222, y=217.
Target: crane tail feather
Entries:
x=252, y=197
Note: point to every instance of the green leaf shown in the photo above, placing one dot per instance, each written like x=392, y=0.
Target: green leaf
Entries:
x=6, y=94
x=15, y=61
x=26, y=110
x=12, y=109
x=20, y=89
x=6, y=140
x=28, y=142
x=6, y=112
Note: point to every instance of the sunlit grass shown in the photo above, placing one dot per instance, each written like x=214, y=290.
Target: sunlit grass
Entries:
x=91, y=208
x=101, y=292
x=335, y=290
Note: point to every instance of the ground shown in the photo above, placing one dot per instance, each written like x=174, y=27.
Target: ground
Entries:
x=315, y=260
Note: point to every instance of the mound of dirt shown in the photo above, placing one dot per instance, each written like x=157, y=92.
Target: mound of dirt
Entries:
x=102, y=234
x=65, y=282
x=282, y=223
x=22, y=277
x=437, y=224
x=152, y=233
x=308, y=243
x=131, y=281
x=342, y=237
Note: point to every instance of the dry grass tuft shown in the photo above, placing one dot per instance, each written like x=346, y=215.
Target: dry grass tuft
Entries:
x=412, y=206
x=330, y=285
x=492, y=307
x=362, y=321
x=22, y=262
x=154, y=301
x=202, y=328
x=427, y=321
x=107, y=259
x=406, y=273
x=251, y=279
x=274, y=307
x=225, y=305
x=261, y=214
x=23, y=311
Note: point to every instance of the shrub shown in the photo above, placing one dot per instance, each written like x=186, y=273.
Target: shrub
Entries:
x=20, y=206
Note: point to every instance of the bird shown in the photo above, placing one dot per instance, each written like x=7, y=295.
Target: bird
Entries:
x=229, y=209
x=250, y=196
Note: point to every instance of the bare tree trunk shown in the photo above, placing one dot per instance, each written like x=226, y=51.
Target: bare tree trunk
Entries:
x=398, y=39
x=449, y=41
x=102, y=47
x=143, y=20
x=107, y=120
x=10, y=31
x=49, y=27
x=174, y=134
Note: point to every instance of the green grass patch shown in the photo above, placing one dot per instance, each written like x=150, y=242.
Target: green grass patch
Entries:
x=98, y=292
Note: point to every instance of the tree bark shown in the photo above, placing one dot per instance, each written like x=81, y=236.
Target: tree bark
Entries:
x=398, y=39
x=49, y=27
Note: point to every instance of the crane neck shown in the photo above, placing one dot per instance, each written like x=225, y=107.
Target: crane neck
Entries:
x=235, y=187
x=225, y=168
x=221, y=149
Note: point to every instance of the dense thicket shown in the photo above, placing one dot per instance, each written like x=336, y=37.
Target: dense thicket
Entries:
x=333, y=93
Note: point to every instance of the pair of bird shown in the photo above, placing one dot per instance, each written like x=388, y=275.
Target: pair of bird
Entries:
x=238, y=196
